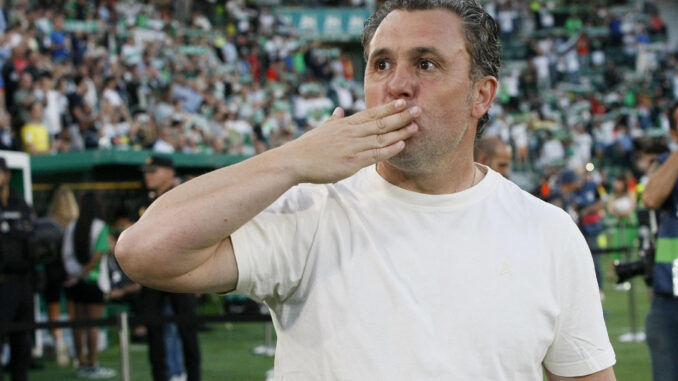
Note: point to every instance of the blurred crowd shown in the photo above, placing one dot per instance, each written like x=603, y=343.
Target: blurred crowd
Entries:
x=582, y=82
x=591, y=86
x=128, y=75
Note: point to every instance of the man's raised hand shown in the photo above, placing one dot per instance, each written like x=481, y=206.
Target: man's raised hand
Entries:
x=343, y=145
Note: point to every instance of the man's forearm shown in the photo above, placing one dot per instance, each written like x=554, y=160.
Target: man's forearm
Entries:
x=170, y=238
x=661, y=183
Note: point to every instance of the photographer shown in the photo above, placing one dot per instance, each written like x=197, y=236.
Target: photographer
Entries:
x=16, y=268
x=662, y=321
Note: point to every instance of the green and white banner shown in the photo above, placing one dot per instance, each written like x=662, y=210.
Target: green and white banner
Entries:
x=339, y=24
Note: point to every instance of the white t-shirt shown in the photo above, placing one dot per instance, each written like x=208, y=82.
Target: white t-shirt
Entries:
x=368, y=281
x=113, y=97
x=57, y=103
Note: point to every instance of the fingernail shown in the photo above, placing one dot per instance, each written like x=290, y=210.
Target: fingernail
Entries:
x=399, y=103
x=412, y=127
x=415, y=111
x=336, y=112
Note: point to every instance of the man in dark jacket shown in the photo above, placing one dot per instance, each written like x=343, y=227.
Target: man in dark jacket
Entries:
x=16, y=265
x=159, y=179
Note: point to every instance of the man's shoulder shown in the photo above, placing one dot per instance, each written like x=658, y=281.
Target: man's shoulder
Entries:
x=519, y=198
x=529, y=209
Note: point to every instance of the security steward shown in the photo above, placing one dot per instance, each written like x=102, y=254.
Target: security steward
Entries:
x=16, y=270
x=159, y=178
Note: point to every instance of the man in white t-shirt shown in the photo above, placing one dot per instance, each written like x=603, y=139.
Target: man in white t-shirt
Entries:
x=381, y=249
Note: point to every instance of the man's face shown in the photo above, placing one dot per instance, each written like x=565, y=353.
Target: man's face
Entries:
x=420, y=56
x=501, y=161
x=36, y=111
x=157, y=177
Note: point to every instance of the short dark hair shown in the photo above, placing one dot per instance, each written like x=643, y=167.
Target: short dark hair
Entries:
x=480, y=32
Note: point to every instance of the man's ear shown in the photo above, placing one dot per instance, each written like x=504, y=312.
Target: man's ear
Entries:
x=484, y=90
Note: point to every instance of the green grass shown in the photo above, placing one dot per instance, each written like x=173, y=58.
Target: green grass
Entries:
x=227, y=349
x=633, y=359
x=226, y=355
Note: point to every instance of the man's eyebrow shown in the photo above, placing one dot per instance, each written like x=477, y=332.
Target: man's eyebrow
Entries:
x=426, y=50
x=379, y=53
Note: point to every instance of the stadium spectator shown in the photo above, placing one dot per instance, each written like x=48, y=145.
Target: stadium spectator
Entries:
x=85, y=247
x=16, y=274
x=62, y=210
x=12, y=70
x=24, y=97
x=123, y=289
x=313, y=253
x=7, y=140
x=159, y=179
x=56, y=105
x=83, y=134
x=121, y=285
x=583, y=202
x=621, y=202
x=621, y=206
x=494, y=153
x=661, y=193
x=34, y=135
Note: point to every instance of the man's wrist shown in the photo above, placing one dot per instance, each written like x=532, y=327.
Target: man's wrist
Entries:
x=284, y=164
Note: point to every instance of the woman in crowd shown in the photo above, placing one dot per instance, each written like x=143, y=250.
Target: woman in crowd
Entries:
x=62, y=210
x=621, y=205
x=84, y=249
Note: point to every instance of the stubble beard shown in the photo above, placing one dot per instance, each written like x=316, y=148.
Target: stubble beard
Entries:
x=421, y=153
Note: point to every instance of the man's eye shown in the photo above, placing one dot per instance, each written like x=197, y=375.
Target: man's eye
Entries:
x=383, y=65
x=426, y=65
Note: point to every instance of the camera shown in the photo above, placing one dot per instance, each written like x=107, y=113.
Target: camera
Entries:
x=645, y=265
x=628, y=270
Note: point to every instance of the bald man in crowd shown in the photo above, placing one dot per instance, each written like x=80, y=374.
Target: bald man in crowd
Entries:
x=494, y=153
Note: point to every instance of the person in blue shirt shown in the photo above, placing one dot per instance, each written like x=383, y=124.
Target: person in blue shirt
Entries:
x=58, y=41
x=582, y=200
x=661, y=324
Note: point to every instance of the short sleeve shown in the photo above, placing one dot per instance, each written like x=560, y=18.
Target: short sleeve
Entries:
x=581, y=345
x=271, y=250
x=102, y=241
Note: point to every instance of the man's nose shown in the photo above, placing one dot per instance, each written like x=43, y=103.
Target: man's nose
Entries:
x=402, y=84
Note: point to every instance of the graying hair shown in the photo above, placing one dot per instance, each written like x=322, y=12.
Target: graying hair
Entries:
x=480, y=31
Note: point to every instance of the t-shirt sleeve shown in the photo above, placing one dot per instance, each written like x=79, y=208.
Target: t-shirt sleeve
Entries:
x=102, y=241
x=271, y=250
x=581, y=345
